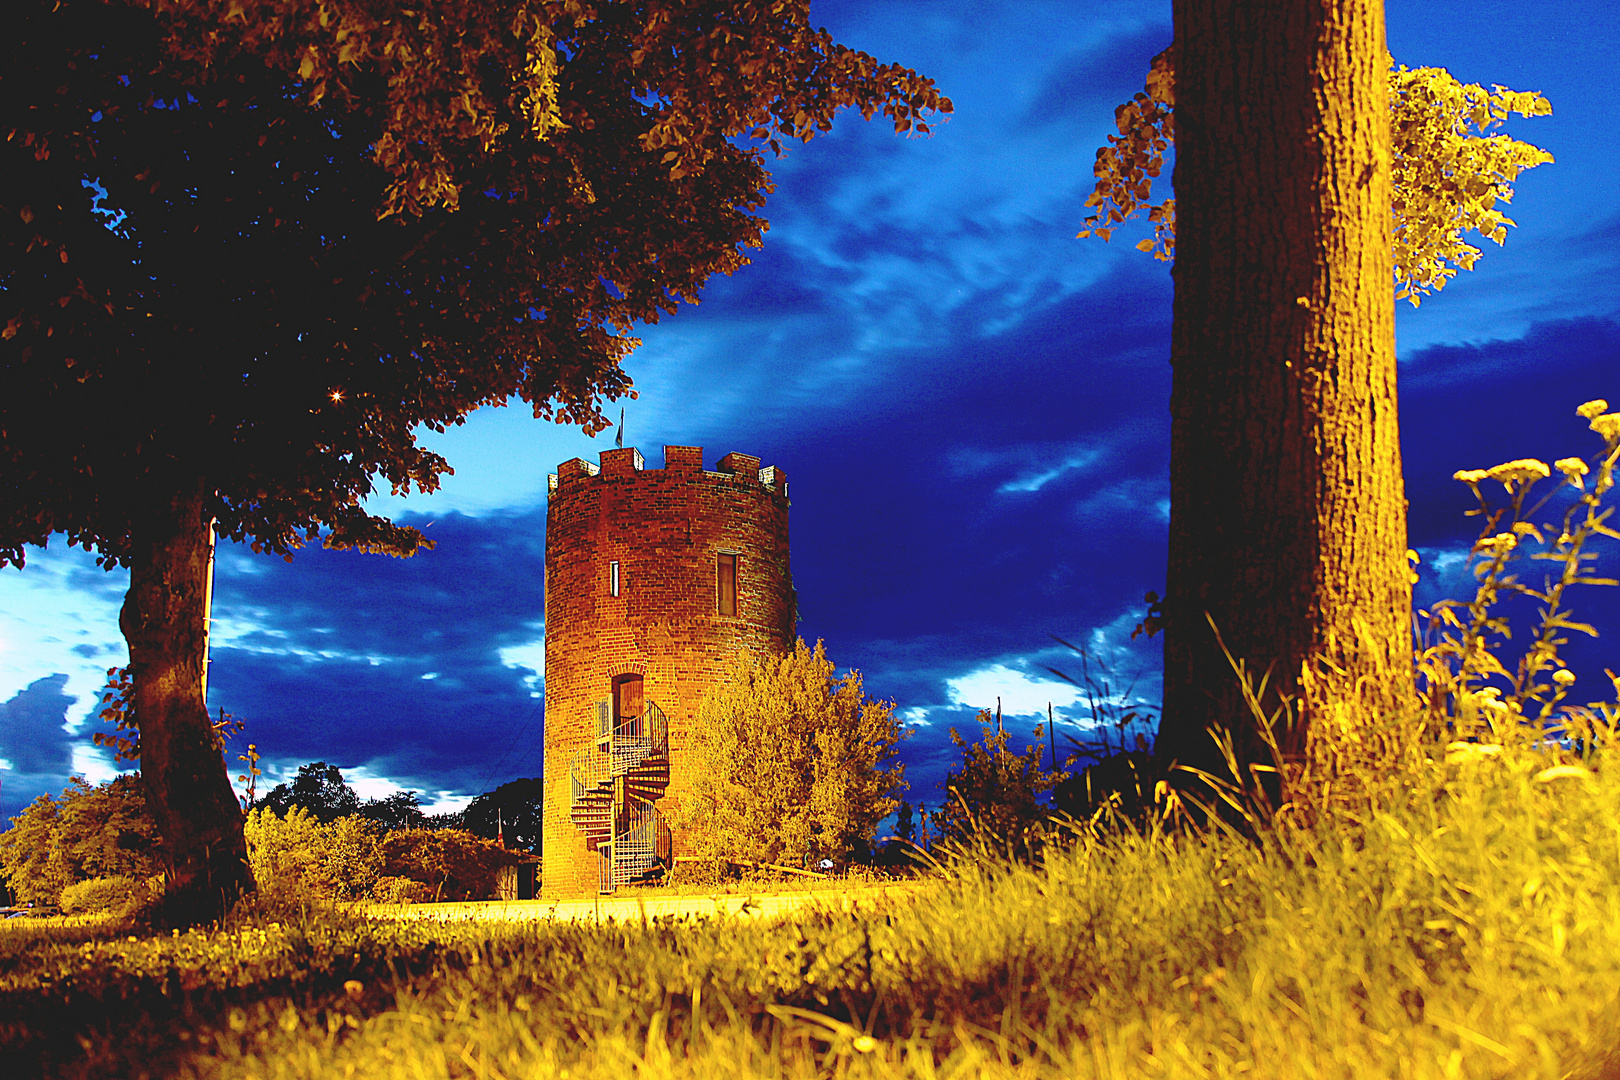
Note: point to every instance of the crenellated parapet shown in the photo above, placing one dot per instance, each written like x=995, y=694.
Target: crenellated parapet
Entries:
x=678, y=460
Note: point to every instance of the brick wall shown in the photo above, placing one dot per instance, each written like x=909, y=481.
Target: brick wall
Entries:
x=665, y=528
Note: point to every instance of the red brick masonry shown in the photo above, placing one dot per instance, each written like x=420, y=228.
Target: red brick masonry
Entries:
x=665, y=528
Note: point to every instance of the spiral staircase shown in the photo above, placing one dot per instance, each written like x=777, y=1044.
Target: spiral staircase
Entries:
x=615, y=782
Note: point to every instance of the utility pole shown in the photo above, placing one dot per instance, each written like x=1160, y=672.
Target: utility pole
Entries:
x=1051, y=730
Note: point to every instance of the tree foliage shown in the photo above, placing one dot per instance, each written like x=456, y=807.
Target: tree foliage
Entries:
x=318, y=788
x=452, y=74
x=397, y=811
x=222, y=306
x=460, y=73
x=452, y=864
x=994, y=795
x=791, y=763
x=204, y=319
x=89, y=832
x=514, y=809
x=1450, y=171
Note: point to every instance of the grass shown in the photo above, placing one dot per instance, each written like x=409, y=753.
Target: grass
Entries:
x=1467, y=925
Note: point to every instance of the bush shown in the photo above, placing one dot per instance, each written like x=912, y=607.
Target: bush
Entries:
x=90, y=832
x=400, y=890
x=451, y=864
x=994, y=796
x=791, y=764
x=298, y=855
x=120, y=896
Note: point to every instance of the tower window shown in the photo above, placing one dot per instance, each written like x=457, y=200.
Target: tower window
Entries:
x=726, y=583
x=613, y=578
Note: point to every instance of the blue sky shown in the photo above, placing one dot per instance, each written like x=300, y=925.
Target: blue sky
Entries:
x=971, y=405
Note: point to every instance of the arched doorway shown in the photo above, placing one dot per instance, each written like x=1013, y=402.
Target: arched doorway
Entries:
x=628, y=703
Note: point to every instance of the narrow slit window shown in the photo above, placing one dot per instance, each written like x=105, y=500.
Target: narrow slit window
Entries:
x=726, y=584
x=613, y=578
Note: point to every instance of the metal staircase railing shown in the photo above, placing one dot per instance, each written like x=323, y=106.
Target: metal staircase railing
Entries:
x=614, y=783
x=641, y=843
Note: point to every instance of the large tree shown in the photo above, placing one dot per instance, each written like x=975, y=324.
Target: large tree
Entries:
x=216, y=305
x=1287, y=511
x=1279, y=555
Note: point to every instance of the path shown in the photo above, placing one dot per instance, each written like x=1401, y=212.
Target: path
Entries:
x=634, y=908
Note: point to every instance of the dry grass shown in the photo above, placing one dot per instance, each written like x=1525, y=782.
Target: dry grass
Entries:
x=1469, y=926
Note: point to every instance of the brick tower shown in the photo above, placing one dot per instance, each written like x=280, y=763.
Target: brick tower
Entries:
x=656, y=579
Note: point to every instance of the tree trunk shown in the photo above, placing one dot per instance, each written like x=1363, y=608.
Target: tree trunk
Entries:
x=1287, y=512
x=181, y=758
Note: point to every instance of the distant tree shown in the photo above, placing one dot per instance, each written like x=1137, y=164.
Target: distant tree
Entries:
x=515, y=808
x=449, y=819
x=995, y=794
x=103, y=831
x=905, y=825
x=790, y=763
x=319, y=789
x=205, y=320
x=397, y=811
x=35, y=862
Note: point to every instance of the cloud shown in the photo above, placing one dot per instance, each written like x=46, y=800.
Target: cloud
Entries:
x=32, y=737
x=1077, y=88
x=37, y=755
x=1014, y=691
x=405, y=670
x=59, y=616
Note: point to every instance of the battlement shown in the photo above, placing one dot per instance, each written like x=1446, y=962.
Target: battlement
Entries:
x=678, y=460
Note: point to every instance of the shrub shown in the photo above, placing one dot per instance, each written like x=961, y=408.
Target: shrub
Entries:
x=351, y=859
x=451, y=864
x=399, y=890
x=791, y=764
x=298, y=855
x=120, y=896
x=995, y=793
x=103, y=831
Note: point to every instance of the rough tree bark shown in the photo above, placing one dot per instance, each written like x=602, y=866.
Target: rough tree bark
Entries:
x=1287, y=511
x=181, y=761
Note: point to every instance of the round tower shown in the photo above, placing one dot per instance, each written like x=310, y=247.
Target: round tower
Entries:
x=656, y=579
